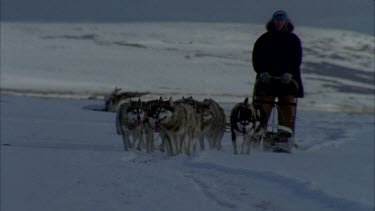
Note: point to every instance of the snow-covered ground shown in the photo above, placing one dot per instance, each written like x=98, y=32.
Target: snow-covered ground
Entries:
x=57, y=154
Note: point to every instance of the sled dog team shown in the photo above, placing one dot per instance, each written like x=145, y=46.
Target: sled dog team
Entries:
x=185, y=123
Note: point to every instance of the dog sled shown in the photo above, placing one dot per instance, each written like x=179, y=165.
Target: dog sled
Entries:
x=277, y=138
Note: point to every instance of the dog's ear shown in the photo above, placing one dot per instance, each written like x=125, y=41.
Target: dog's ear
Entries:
x=171, y=102
x=246, y=101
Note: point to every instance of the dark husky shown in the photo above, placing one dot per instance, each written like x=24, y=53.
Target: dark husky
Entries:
x=152, y=124
x=246, y=121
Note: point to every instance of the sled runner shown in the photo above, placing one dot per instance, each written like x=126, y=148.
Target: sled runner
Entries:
x=278, y=142
x=277, y=138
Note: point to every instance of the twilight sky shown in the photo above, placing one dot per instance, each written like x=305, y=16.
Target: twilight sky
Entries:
x=357, y=15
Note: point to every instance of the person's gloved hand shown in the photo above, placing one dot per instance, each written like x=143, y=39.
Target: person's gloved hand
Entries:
x=265, y=77
x=286, y=78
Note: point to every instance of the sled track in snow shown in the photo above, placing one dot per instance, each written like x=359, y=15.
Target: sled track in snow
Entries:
x=206, y=189
x=301, y=190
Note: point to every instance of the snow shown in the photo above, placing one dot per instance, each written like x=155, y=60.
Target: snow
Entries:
x=58, y=154
x=178, y=59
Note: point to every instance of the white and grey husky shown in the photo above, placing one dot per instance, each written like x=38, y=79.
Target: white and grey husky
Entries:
x=245, y=120
x=213, y=124
x=181, y=126
x=129, y=122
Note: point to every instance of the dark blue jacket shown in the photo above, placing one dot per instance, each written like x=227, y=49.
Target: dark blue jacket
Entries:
x=278, y=53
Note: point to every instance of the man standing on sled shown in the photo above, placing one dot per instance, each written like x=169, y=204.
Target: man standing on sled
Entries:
x=277, y=57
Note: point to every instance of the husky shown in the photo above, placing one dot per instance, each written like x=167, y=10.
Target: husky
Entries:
x=180, y=125
x=115, y=98
x=197, y=115
x=244, y=121
x=151, y=123
x=213, y=124
x=129, y=122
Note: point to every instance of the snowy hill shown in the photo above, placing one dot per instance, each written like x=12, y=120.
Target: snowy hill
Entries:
x=178, y=59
